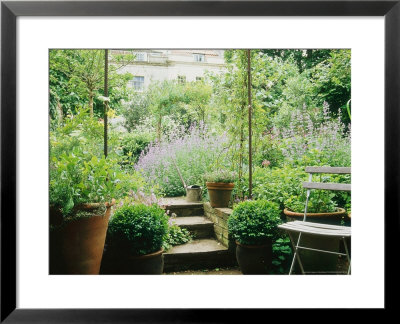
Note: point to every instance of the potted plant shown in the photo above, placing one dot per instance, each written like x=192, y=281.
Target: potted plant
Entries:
x=82, y=191
x=220, y=185
x=135, y=238
x=253, y=224
x=321, y=208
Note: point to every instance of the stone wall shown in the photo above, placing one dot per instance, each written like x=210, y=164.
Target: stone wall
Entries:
x=220, y=218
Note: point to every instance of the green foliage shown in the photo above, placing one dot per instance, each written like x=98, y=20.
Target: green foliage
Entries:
x=79, y=172
x=269, y=153
x=139, y=229
x=284, y=186
x=281, y=256
x=304, y=58
x=225, y=176
x=332, y=78
x=185, y=104
x=176, y=236
x=277, y=184
x=133, y=144
x=320, y=201
x=77, y=80
x=254, y=222
x=135, y=110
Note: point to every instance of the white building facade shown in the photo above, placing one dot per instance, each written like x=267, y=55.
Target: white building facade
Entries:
x=181, y=65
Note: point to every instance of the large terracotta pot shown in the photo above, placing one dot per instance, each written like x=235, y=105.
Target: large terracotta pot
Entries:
x=119, y=262
x=333, y=218
x=314, y=261
x=79, y=242
x=254, y=259
x=219, y=193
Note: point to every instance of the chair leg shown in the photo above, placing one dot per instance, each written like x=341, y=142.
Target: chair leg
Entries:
x=348, y=255
x=296, y=255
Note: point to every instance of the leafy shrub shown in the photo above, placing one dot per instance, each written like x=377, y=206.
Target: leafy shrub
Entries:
x=220, y=176
x=269, y=153
x=78, y=178
x=194, y=153
x=134, y=110
x=320, y=201
x=133, y=144
x=79, y=172
x=176, y=236
x=277, y=184
x=284, y=187
x=139, y=229
x=254, y=222
x=281, y=256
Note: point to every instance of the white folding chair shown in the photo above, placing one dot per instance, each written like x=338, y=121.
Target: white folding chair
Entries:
x=318, y=230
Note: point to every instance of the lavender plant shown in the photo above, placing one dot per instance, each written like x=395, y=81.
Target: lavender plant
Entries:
x=316, y=142
x=194, y=151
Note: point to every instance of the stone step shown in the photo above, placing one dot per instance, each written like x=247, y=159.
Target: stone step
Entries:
x=180, y=207
x=198, y=254
x=199, y=226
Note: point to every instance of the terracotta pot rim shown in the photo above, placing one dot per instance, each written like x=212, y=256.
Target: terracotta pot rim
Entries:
x=86, y=206
x=252, y=246
x=228, y=186
x=149, y=255
x=340, y=212
x=220, y=183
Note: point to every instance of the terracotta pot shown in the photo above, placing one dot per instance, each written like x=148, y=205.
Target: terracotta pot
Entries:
x=315, y=261
x=80, y=242
x=254, y=259
x=120, y=262
x=219, y=193
x=333, y=218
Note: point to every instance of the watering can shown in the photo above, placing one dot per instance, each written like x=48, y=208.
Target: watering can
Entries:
x=193, y=192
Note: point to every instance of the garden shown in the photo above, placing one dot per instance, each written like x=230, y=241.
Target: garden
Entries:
x=136, y=176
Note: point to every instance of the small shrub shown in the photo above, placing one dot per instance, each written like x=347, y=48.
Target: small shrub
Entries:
x=176, y=236
x=139, y=229
x=133, y=144
x=276, y=184
x=281, y=256
x=254, y=222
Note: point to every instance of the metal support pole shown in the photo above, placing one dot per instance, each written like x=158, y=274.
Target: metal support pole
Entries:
x=106, y=101
x=250, y=122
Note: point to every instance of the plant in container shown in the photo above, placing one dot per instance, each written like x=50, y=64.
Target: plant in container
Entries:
x=82, y=191
x=321, y=208
x=135, y=239
x=220, y=185
x=253, y=224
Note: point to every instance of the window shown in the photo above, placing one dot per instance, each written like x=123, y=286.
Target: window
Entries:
x=199, y=79
x=199, y=58
x=141, y=57
x=181, y=78
x=137, y=83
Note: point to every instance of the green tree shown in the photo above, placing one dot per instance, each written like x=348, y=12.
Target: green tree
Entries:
x=77, y=79
x=332, y=79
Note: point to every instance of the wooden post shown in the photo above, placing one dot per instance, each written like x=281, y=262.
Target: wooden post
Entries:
x=105, y=101
x=250, y=119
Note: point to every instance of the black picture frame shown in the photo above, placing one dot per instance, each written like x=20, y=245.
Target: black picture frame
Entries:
x=10, y=10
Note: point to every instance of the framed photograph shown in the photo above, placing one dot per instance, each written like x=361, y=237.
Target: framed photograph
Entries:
x=43, y=41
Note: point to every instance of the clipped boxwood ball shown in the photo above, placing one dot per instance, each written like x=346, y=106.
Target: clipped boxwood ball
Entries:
x=254, y=222
x=138, y=229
